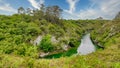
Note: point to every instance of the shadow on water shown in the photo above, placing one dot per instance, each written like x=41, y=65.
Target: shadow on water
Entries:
x=68, y=53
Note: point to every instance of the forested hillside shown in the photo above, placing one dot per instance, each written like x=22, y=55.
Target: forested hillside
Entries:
x=59, y=36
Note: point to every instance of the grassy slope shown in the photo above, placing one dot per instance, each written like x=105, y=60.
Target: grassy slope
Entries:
x=107, y=34
x=108, y=58
x=10, y=53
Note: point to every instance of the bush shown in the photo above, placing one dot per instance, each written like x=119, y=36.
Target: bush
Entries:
x=33, y=31
x=46, y=44
x=74, y=42
x=26, y=50
x=2, y=36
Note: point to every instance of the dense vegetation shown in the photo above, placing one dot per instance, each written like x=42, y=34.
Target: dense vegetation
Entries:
x=18, y=30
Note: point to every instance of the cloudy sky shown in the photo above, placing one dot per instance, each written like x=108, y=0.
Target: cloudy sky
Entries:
x=72, y=9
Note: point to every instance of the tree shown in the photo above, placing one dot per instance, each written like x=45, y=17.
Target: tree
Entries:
x=42, y=7
x=21, y=10
x=39, y=13
x=42, y=11
x=29, y=11
x=57, y=11
x=53, y=14
x=48, y=13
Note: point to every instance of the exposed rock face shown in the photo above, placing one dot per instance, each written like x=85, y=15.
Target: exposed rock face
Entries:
x=65, y=47
x=54, y=40
x=43, y=54
x=37, y=40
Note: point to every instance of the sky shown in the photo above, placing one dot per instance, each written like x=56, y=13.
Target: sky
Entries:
x=72, y=9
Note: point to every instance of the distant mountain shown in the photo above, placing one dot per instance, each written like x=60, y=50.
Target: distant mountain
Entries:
x=99, y=18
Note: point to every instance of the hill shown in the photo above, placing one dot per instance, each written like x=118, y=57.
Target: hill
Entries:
x=19, y=31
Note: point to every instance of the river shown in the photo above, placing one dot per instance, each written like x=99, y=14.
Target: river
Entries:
x=86, y=46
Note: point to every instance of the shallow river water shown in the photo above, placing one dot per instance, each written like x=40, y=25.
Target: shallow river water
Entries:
x=86, y=46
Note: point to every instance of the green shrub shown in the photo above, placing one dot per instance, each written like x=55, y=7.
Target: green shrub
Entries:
x=26, y=50
x=74, y=42
x=33, y=31
x=21, y=50
x=46, y=44
x=32, y=51
x=2, y=36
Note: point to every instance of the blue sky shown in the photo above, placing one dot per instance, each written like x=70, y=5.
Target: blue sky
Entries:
x=72, y=9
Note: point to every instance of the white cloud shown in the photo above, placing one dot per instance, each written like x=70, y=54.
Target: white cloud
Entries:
x=36, y=4
x=104, y=8
x=72, y=4
x=6, y=7
x=42, y=1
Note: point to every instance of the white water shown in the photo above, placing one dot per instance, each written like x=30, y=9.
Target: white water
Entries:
x=86, y=46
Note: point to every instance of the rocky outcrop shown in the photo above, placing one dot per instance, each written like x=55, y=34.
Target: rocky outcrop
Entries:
x=65, y=47
x=43, y=54
x=36, y=41
x=54, y=40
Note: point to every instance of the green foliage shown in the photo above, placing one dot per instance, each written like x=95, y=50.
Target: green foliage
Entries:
x=74, y=42
x=2, y=36
x=33, y=30
x=16, y=50
x=46, y=44
x=107, y=33
x=108, y=58
x=26, y=50
x=21, y=28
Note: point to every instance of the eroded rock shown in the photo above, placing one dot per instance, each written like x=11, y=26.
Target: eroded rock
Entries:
x=37, y=40
x=44, y=54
